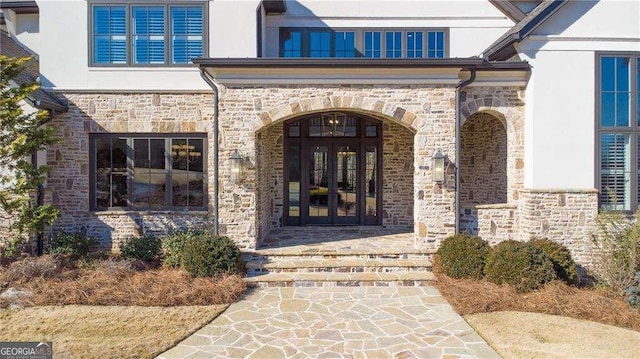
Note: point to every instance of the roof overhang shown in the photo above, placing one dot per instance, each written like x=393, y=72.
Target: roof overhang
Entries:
x=508, y=8
x=20, y=7
x=336, y=71
x=274, y=6
x=504, y=48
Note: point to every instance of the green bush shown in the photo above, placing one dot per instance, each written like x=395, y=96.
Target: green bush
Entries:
x=73, y=244
x=173, y=246
x=463, y=256
x=522, y=265
x=563, y=264
x=146, y=248
x=205, y=255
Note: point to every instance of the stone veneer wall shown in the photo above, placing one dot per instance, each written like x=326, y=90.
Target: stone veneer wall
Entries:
x=397, y=179
x=483, y=162
x=247, y=119
x=68, y=183
x=507, y=104
x=428, y=111
x=492, y=222
x=270, y=174
x=565, y=216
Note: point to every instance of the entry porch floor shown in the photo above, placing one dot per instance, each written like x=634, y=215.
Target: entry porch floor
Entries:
x=339, y=240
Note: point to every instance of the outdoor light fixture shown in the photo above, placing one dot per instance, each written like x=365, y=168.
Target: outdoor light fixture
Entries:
x=438, y=167
x=236, y=166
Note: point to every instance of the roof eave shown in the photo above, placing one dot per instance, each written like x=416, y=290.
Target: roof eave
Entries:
x=20, y=7
x=510, y=10
x=276, y=62
x=505, y=46
x=274, y=6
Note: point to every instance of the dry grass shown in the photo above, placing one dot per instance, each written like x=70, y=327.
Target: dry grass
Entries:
x=549, y=336
x=105, y=332
x=109, y=282
x=470, y=296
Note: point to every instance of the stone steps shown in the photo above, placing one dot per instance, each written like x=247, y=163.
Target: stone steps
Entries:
x=264, y=265
x=328, y=268
x=378, y=279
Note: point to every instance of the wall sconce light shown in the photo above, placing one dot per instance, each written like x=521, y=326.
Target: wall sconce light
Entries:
x=438, y=167
x=235, y=163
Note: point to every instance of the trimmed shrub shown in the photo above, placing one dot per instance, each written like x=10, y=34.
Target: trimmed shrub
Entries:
x=173, y=246
x=563, y=264
x=463, y=256
x=72, y=244
x=205, y=255
x=146, y=248
x=521, y=265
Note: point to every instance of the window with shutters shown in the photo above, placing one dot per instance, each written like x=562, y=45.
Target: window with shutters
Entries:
x=618, y=124
x=146, y=34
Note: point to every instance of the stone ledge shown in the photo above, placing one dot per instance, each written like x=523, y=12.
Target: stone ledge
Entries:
x=148, y=213
x=491, y=206
x=560, y=190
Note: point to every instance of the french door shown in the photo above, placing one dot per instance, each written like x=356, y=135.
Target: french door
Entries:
x=332, y=171
x=333, y=184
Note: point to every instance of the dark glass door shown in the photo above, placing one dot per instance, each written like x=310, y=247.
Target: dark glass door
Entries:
x=332, y=167
x=333, y=190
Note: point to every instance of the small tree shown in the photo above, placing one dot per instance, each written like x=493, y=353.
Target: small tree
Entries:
x=21, y=136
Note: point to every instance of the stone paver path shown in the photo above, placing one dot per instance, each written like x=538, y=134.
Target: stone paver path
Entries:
x=337, y=322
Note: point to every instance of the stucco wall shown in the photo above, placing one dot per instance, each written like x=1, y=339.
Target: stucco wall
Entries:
x=472, y=25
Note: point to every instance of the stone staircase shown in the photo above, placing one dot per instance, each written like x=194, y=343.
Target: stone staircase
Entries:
x=315, y=268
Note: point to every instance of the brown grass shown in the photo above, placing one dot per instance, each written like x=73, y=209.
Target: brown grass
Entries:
x=556, y=298
x=110, y=282
x=105, y=332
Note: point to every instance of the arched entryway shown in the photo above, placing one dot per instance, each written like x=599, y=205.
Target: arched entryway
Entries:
x=332, y=170
x=483, y=167
x=483, y=162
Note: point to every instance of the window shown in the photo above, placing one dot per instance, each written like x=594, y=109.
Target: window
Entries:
x=394, y=44
x=146, y=34
x=316, y=42
x=148, y=172
x=372, y=44
x=618, y=119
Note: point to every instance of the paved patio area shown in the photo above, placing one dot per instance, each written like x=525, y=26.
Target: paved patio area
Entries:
x=342, y=240
x=337, y=322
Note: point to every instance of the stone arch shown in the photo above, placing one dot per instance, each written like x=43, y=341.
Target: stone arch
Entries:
x=483, y=160
x=369, y=106
x=507, y=105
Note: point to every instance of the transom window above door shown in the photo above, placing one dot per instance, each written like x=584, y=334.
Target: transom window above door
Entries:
x=333, y=124
x=372, y=43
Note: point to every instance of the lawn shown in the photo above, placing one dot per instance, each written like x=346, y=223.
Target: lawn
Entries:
x=80, y=331
x=109, y=308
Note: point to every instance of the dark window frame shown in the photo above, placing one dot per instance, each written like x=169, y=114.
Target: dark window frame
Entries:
x=360, y=40
x=303, y=140
x=167, y=4
x=632, y=130
x=130, y=137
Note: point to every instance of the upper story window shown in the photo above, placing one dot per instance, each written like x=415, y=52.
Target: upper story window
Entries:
x=618, y=131
x=391, y=43
x=163, y=34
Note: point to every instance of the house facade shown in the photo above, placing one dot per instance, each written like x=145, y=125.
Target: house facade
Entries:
x=506, y=119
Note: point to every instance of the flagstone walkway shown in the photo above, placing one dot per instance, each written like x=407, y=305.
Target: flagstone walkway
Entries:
x=337, y=322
